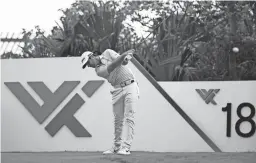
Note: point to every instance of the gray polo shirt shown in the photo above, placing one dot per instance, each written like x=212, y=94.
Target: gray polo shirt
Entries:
x=119, y=74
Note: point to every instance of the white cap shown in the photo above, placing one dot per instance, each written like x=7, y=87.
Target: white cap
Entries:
x=85, y=57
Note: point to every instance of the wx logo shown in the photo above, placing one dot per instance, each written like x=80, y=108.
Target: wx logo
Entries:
x=52, y=100
x=208, y=96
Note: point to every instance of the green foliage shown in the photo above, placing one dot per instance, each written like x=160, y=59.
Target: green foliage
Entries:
x=209, y=30
x=85, y=26
x=213, y=58
x=188, y=40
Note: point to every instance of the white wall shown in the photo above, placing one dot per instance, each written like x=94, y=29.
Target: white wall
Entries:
x=158, y=126
x=210, y=118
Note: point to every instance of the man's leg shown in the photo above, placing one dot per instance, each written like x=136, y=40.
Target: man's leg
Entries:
x=131, y=97
x=118, y=110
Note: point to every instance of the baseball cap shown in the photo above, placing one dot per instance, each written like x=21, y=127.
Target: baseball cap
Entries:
x=85, y=57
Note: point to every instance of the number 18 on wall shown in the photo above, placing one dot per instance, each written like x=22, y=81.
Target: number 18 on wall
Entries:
x=242, y=119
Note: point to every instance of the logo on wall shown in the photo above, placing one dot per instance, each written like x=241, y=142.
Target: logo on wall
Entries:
x=52, y=100
x=208, y=96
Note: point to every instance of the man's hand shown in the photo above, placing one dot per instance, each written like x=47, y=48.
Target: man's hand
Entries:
x=129, y=52
x=128, y=55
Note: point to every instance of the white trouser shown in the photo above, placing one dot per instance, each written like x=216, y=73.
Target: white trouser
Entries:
x=124, y=105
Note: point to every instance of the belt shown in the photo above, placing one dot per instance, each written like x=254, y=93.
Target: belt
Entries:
x=125, y=83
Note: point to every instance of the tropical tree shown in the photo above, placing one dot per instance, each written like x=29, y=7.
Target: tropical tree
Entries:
x=184, y=40
x=84, y=26
x=194, y=40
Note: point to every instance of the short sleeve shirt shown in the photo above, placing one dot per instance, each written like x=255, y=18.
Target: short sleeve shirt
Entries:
x=119, y=74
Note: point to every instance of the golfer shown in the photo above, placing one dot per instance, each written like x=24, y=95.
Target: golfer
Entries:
x=125, y=93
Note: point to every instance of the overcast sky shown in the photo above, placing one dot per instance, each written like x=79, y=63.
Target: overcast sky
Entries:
x=18, y=14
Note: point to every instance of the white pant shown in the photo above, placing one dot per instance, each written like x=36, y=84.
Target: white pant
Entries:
x=124, y=106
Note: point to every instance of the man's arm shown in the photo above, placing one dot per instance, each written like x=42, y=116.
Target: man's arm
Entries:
x=114, y=55
x=119, y=60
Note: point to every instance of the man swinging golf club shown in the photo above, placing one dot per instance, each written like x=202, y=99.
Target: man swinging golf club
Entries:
x=125, y=93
